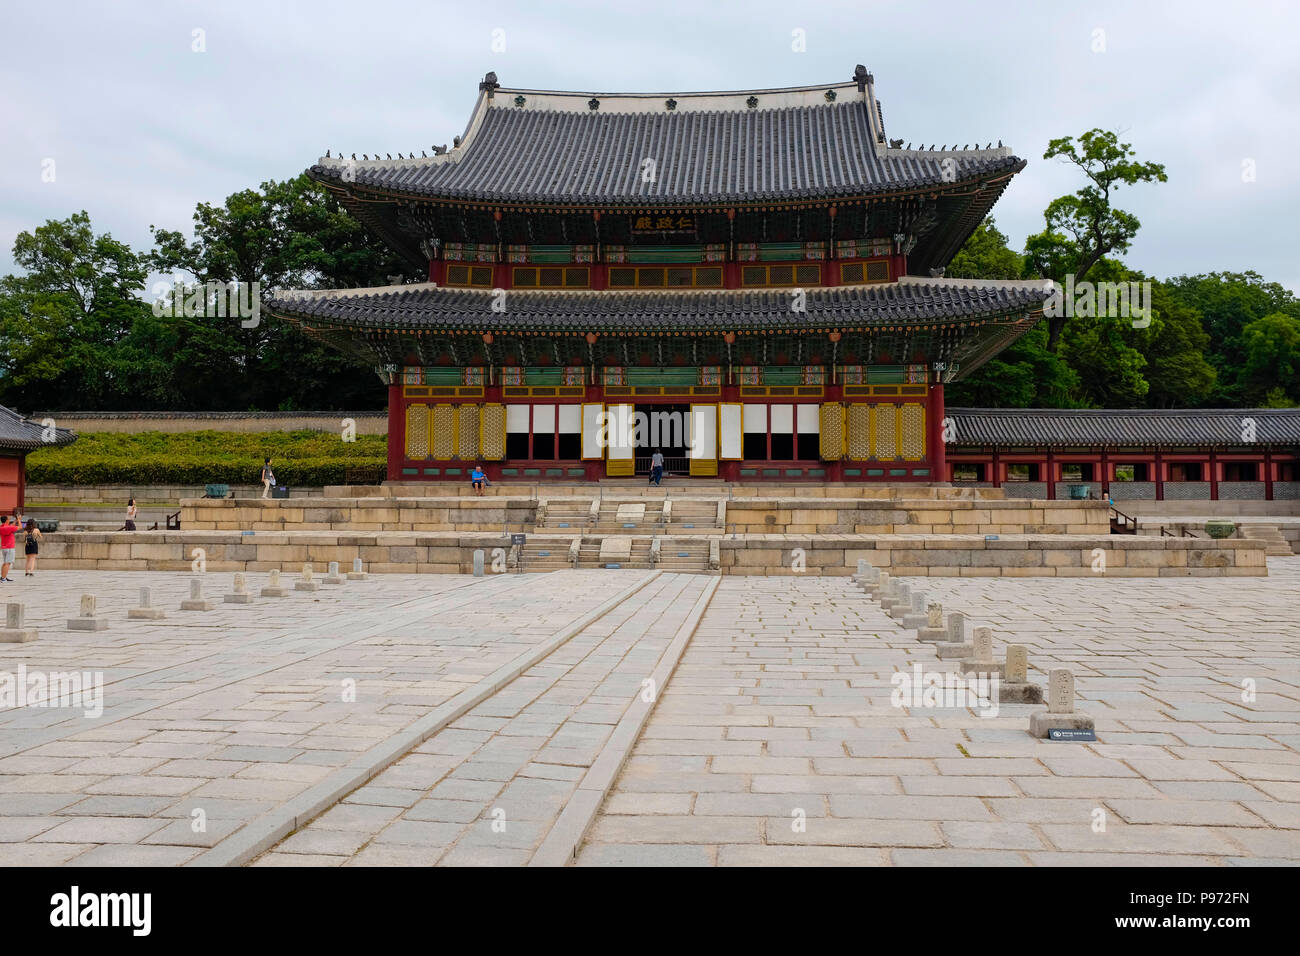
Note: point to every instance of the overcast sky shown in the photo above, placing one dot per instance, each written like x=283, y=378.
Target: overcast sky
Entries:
x=141, y=127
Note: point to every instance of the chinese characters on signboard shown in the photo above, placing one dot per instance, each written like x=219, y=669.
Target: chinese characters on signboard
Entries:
x=661, y=225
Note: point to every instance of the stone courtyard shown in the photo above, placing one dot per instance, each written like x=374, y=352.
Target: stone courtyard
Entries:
x=647, y=717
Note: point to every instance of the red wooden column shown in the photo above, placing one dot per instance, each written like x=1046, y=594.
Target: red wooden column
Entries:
x=939, y=454
x=396, y=432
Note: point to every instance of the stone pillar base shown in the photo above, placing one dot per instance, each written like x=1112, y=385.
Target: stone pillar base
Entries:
x=269, y=591
x=238, y=599
x=87, y=624
x=306, y=586
x=17, y=635
x=1017, y=693
x=358, y=575
x=191, y=605
x=949, y=651
x=972, y=666
x=1040, y=722
x=913, y=622
x=932, y=634
x=144, y=614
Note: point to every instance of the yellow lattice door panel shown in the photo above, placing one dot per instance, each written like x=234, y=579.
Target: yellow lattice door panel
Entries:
x=620, y=444
x=859, y=443
x=704, y=440
x=417, y=431
x=467, y=431
x=885, y=431
x=911, y=431
x=493, y=433
x=443, y=439
x=832, y=431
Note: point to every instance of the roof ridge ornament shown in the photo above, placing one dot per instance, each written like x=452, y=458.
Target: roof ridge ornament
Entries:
x=862, y=77
x=489, y=85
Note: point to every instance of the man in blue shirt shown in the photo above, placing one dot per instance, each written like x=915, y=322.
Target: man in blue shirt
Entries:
x=477, y=477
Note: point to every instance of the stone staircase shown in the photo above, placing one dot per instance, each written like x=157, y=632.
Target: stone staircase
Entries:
x=1275, y=545
x=629, y=517
x=676, y=555
x=545, y=554
x=562, y=515
x=615, y=550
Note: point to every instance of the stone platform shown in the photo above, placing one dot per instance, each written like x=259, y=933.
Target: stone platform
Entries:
x=952, y=555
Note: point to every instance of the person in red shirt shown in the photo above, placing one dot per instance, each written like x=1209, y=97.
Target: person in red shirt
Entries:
x=7, y=531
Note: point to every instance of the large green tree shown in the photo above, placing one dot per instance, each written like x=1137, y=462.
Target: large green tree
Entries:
x=1085, y=227
x=73, y=330
x=290, y=234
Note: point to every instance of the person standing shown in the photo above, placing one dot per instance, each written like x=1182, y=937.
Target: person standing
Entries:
x=130, y=515
x=32, y=547
x=7, y=531
x=657, y=466
x=268, y=478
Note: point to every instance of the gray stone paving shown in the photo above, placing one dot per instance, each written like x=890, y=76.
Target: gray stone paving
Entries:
x=774, y=742
x=234, y=711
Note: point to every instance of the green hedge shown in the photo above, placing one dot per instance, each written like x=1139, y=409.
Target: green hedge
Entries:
x=302, y=458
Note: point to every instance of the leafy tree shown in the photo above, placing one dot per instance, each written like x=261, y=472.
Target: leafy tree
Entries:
x=1272, y=368
x=290, y=234
x=63, y=322
x=1177, y=370
x=1084, y=227
x=986, y=255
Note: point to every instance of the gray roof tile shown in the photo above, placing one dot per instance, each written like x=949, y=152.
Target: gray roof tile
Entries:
x=22, y=434
x=426, y=306
x=1125, y=426
x=580, y=156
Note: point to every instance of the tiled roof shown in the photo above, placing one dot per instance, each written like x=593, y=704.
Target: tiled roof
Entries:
x=426, y=306
x=23, y=434
x=1125, y=426
x=811, y=143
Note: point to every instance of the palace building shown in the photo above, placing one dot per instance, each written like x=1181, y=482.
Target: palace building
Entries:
x=758, y=272
x=750, y=283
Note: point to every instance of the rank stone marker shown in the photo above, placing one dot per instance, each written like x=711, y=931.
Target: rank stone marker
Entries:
x=274, y=587
x=87, y=620
x=358, y=572
x=934, y=630
x=1015, y=687
x=981, y=659
x=195, y=601
x=1060, y=713
x=478, y=563
x=240, y=594
x=146, y=611
x=333, y=576
x=307, y=583
x=902, y=602
x=877, y=590
x=916, y=617
x=955, y=647
x=13, y=631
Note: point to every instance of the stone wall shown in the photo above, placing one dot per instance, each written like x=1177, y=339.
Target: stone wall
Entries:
x=359, y=514
x=902, y=555
x=907, y=516
x=1126, y=556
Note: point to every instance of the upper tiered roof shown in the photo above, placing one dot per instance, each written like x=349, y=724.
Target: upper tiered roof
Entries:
x=603, y=149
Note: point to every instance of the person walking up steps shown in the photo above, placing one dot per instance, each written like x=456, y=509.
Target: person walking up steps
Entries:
x=657, y=467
